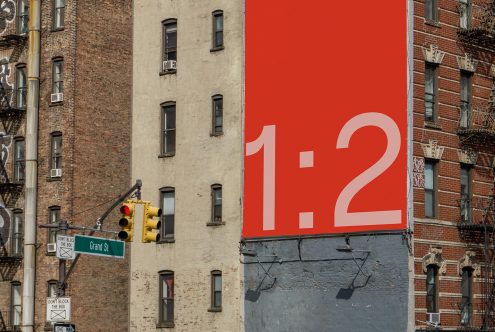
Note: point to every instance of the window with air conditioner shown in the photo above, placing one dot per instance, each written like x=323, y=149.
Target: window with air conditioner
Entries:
x=56, y=156
x=53, y=218
x=169, y=58
x=57, y=81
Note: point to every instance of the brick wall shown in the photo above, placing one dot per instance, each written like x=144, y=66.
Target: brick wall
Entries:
x=442, y=231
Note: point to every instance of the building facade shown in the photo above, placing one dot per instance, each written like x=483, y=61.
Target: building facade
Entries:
x=187, y=149
x=453, y=164
x=83, y=152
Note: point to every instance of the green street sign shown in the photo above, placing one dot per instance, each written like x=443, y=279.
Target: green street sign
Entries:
x=98, y=246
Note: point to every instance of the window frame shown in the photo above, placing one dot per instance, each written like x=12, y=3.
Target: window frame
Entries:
x=13, y=305
x=213, y=291
x=55, y=157
x=52, y=233
x=431, y=69
x=215, y=220
x=432, y=293
x=164, y=130
x=465, y=8
x=22, y=17
x=58, y=82
x=466, y=209
x=218, y=98
x=58, y=11
x=19, y=164
x=216, y=45
x=167, y=237
x=433, y=191
x=21, y=90
x=434, y=11
x=465, y=104
x=467, y=298
x=162, y=276
x=17, y=238
x=167, y=49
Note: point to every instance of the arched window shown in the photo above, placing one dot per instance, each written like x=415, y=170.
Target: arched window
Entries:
x=167, y=143
x=217, y=115
x=216, y=290
x=17, y=235
x=467, y=295
x=168, y=213
x=217, y=16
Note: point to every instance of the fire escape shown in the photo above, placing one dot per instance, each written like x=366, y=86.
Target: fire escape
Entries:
x=12, y=112
x=476, y=133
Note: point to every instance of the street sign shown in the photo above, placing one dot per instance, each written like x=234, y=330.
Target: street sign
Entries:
x=58, y=309
x=59, y=327
x=65, y=247
x=98, y=246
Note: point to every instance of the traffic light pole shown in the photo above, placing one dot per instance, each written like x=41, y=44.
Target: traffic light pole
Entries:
x=62, y=226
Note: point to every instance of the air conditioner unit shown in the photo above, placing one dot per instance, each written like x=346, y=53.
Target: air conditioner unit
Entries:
x=56, y=173
x=169, y=65
x=57, y=97
x=51, y=247
x=433, y=318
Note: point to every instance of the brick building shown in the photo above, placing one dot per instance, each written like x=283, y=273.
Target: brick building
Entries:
x=83, y=151
x=453, y=161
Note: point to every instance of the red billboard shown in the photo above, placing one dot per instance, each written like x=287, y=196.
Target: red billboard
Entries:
x=325, y=117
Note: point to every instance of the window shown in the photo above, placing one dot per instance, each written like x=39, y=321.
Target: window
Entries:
x=52, y=288
x=22, y=16
x=466, y=82
x=465, y=193
x=169, y=42
x=56, y=154
x=465, y=14
x=166, y=315
x=168, y=129
x=467, y=295
x=217, y=114
x=431, y=92
x=15, y=303
x=431, y=288
x=53, y=217
x=21, y=86
x=430, y=188
x=19, y=159
x=17, y=233
x=216, y=203
x=58, y=76
x=431, y=10
x=216, y=291
x=168, y=212
x=217, y=30
x=58, y=14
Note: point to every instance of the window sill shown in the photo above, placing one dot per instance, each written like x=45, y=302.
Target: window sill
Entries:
x=433, y=23
x=433, y=125
x=57, y=29
x=215, y=309
x=168, y=72
x=52, y=179
x=216, y=49
x=60, y=103
x=167, y=240
x=166, y=325
x=50, y=253
x=215, y=223
x=166, y=155
x=216, y=134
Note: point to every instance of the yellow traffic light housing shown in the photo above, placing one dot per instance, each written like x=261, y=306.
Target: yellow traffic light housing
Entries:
x=149, y=224
x=127, y=221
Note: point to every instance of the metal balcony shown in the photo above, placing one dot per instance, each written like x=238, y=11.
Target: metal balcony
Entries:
x=476, y=125
x=476, y=214
x=9, y=323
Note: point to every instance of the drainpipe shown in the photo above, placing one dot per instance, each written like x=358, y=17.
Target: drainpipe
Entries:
x=31, y=165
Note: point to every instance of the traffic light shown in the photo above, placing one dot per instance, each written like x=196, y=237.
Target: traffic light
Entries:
x=127, y=221
x=149, y=224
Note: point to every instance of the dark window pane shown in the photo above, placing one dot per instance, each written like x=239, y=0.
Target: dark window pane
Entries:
x=431, y=289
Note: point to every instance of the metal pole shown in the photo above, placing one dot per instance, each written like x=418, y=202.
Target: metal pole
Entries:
x=31, y=166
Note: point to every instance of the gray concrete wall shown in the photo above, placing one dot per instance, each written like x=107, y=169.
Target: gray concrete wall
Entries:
x=311, y=286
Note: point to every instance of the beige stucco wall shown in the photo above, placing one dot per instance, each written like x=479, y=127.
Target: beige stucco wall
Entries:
x=200, y=161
